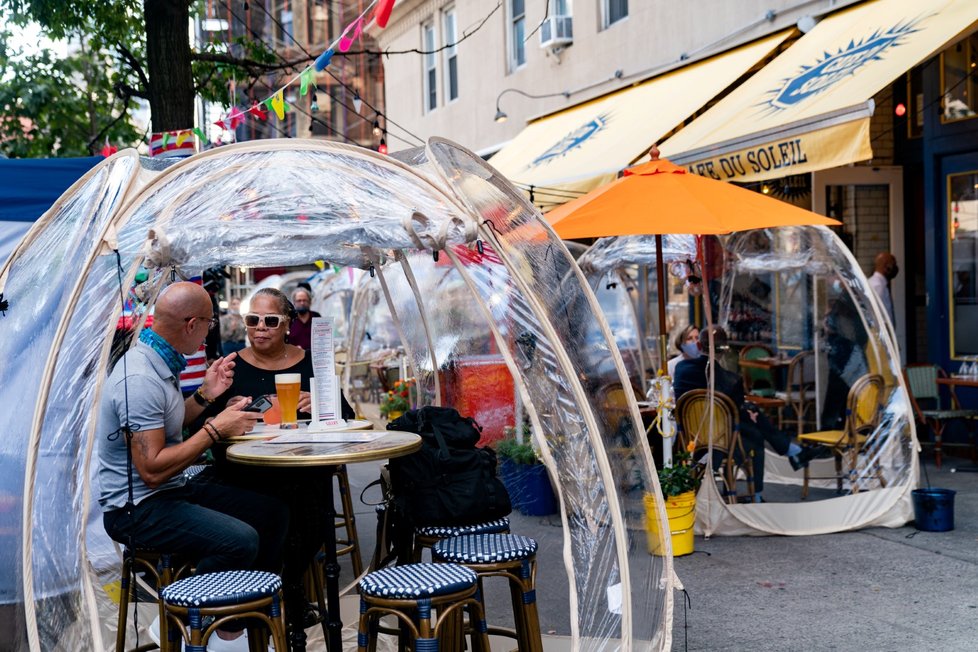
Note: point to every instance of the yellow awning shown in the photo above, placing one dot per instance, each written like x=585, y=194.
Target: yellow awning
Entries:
x=809, y=109
x=579, y=149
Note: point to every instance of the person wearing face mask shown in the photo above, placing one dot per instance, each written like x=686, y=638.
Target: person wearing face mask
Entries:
x=755, y=428
x=686, y=344
x=300, y=330
x=885, y=270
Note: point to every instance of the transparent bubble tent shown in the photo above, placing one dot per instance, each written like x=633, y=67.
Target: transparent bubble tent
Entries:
x=292, y=202
x=808, y=337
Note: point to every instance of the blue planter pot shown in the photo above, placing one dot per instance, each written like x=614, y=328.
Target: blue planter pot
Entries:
x=537, y=498
x=511, y=475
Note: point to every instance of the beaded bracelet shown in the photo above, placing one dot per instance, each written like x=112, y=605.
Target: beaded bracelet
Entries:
x=212, y=431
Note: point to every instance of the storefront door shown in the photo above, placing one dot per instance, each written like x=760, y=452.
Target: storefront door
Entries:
x=959, y=194
x=869, y=202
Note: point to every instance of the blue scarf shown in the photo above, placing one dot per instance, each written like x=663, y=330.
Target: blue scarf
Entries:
x=173, y=358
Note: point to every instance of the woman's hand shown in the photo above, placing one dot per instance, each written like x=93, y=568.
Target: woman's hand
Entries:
x=305, y=402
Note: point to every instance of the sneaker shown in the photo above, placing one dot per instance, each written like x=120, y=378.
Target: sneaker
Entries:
x=217, y=644
x=801, y=460
x=154, y=632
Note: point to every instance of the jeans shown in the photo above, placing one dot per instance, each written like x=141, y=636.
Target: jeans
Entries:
x=221, y=528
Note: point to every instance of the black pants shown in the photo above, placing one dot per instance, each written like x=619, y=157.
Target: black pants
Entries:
x=221, y=528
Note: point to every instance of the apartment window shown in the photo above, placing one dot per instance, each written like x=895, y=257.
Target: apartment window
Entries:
x=959, y=80
x=430, y=67
x=285, y=27
x=560, y=7
x=614, y=10
x=517, y=33
x=450, y=34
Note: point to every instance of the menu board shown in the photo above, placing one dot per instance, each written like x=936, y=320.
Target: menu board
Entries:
x=325, y=387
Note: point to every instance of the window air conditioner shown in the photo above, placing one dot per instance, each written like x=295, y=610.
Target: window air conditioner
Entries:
x=557, y=31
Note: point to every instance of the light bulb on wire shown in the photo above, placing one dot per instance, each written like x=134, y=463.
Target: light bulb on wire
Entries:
x=382, y=148
x=377, y=129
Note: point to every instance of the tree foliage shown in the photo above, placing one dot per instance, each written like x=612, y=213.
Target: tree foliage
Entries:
x=149, y=54
x=60, y=107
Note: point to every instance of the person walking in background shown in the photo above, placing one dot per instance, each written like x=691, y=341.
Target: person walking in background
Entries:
x=300, y=330
x=233, y=328
x=884, y=270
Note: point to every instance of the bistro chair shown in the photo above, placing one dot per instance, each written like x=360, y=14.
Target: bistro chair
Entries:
x=759, y=382
x=846, y=445
x=929, y=409
x=697, y=424
x=162, y=569
x=799, y=392
x=197, y=606
x=427, y=536
x=413, y=594
x=511, y=557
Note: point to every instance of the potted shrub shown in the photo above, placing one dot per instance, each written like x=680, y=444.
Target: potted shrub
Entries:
x=525, y=476
x=397, y=401
x=679, y=484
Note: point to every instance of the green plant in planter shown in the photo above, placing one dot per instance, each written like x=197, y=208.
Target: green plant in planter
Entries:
x=681, y=477
x=521, y=453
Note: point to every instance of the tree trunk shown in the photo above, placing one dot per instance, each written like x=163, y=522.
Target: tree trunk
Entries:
x=171, y=83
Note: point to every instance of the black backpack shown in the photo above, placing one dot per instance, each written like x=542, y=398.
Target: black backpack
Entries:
x=449, y=481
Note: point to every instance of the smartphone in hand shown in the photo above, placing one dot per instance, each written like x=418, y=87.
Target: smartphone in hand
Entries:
x=260, y=405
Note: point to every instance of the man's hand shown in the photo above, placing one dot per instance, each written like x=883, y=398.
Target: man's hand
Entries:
x=218, y=377
x=233, y=421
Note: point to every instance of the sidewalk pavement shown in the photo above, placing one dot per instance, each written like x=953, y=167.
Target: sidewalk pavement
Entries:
x=872, y=589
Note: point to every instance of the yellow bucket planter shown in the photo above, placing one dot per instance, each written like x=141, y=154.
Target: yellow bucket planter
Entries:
x=681, y=511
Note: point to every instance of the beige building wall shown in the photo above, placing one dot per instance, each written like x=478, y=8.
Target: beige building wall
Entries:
x=655, y=36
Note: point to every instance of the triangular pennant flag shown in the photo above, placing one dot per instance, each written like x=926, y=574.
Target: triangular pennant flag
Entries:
x=305, y=81
x=347, y=39
x=166, y=138
x=181, y=137
x=323, y=60
x=236, y=117
x=258, y=112
x=383, y=13
x=200, y=134
x=278, y=104
x=357, y=102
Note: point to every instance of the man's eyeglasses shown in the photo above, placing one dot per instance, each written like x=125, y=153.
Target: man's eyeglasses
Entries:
x=271, y=321
x=212, y=322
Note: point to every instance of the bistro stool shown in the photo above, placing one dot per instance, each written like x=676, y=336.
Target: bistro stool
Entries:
x=346, y=519
x=426, y=536
x=410, y=593
x=162, y=569
x=510, y=556
x=194, y=470
x=227, y=596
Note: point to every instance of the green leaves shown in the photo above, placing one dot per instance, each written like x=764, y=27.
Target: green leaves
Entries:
x=680, y=477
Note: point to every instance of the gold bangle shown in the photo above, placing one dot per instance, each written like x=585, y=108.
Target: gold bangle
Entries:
x=201, y=399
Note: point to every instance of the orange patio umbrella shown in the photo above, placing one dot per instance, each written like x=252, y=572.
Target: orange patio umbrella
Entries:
x=659, y=197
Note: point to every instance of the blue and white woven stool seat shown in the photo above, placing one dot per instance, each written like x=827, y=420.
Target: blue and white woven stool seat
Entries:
x=417, y=581
x=445, y=531
x=194, y=470
x=484, y=548
x=222, y=589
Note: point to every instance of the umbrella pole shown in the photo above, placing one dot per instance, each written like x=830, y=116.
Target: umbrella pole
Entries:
x=660, y=280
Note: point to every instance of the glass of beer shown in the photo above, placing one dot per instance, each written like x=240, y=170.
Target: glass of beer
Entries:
x=287, y=388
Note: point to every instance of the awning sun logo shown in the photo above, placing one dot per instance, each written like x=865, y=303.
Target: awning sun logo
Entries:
x=833, y=68
x=573, y=140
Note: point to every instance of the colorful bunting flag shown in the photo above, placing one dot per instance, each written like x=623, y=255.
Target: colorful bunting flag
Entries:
x=278, y=104
x=305, y=81
x=323, y=59
x=346, y=40
x=383, y=13
x=182, y=137
x=200, y=134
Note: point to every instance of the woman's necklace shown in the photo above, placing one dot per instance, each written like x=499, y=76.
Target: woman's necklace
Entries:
x=273, y=360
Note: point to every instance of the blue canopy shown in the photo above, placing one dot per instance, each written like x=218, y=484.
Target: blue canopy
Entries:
x=29, y=186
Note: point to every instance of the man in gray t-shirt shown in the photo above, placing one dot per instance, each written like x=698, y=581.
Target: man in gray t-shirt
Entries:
x=217, y=527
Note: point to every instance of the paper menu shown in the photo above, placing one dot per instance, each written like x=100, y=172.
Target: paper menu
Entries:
x=324, y=388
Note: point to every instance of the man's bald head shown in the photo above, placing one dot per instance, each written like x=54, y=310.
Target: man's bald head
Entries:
x=886, y=264
x=179, y=301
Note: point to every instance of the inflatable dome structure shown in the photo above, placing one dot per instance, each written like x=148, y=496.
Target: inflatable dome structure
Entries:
x=266, y=204
x=809, y=342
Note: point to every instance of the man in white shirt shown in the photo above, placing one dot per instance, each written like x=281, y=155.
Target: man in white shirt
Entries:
x=884, y=270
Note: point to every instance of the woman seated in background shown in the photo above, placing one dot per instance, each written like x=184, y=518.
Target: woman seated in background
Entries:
x=686, y=343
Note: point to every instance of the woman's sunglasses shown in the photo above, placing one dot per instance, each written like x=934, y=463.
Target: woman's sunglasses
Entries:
x=271, y=321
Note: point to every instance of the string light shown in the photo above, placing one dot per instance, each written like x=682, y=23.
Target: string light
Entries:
x=382, y=148
x=377, y=130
